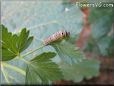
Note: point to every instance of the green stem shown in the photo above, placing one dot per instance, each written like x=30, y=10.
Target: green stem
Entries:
x=32, y=51
x=5, y=76
x=9, y=76
x=14, y=68
x=27, y=62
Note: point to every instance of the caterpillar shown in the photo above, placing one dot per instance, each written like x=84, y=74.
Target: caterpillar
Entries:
x=56, y=36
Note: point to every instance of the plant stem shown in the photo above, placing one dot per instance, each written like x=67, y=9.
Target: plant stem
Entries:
x=4, y=74
x=10, y=77
x=27, y=62
x=32, y=51
x=14, y=68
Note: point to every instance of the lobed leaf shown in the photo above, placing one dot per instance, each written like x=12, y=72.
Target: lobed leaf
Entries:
x=68, y=52
x=77, y=72
x=41, y=70
x=13, y=44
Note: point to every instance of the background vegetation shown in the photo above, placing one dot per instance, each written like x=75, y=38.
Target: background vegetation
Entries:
x=25, y=60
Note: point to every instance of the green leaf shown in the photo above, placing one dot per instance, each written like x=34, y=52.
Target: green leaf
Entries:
x=98, y=13
x=110, y=49
x=43, y=19
x=92, y=45
x=42, y=26
x=22, y=38
x=9, y=77
x=44, y=57
x=13, y=44
x=41, y=70
x=28, y=42
x=101, y=20
x=68, y=52
x=7, y=53
x=8, y=49
x=103, y=45
x=77, y=72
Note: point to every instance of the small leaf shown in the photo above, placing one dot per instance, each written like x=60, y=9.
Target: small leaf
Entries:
x=68, y=52
x=7, y=53
x=8, y=50
x=44, y=57
x=23, y=36
x=13, y=44
x=41, y=70
x=28, y=42
x=77, y=72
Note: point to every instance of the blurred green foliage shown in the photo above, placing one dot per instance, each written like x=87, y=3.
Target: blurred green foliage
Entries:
x=101, y=20
x=43, y=18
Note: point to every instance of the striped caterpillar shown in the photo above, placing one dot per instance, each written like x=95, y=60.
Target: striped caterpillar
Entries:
x=56, y=37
